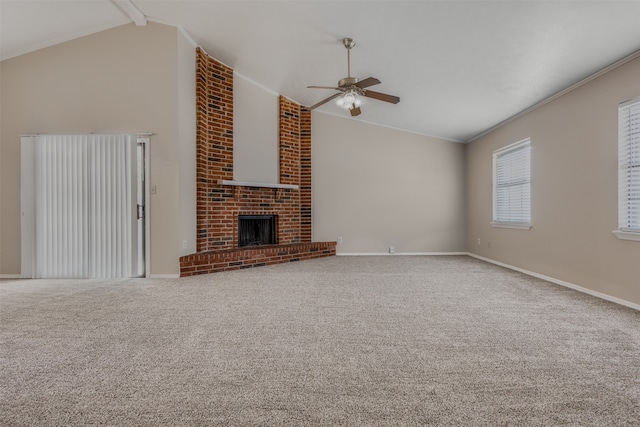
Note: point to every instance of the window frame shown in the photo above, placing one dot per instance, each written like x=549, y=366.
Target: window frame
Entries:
x=524, y=144
x=625, y=165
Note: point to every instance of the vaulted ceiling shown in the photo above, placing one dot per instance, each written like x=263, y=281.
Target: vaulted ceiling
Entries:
x=459, y=67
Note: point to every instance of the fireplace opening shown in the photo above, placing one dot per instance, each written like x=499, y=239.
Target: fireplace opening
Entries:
x=256, y=230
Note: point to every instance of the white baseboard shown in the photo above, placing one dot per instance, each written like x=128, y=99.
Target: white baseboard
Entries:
x=152, y=276
x=561, y=283
x=401, y=254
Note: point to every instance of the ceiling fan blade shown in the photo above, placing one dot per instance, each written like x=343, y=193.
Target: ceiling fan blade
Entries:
x=382, y=96
x=369, y=81
x=323, y=87
x=324, y=101
x=355, y=111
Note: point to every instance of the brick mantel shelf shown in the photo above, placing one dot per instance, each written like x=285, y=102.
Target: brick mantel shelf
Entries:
x=257, y=184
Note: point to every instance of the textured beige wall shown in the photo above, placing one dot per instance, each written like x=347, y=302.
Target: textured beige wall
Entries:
x=120, y=80
x=186, y=147
x=378, y=187
x=574, y=190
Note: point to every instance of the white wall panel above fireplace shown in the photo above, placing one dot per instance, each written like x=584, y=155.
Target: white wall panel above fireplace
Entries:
x=255, y=132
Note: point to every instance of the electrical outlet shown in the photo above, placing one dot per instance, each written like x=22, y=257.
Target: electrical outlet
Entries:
x=340, y=239
x=184, y=244
x=153, y=189
x=478, y=240
x=392, y=250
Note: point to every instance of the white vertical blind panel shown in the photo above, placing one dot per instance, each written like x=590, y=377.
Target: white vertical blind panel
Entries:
x=85, y=206
x=112, y=190
x=61, y=249
x=629, y=166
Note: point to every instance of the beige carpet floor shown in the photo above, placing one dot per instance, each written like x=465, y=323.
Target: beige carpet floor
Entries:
x=443, y=341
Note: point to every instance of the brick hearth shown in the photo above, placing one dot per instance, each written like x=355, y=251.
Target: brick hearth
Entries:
x=234, y=259
x=219, y=205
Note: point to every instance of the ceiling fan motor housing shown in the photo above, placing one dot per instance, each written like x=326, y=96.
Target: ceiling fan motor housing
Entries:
x=347, y=81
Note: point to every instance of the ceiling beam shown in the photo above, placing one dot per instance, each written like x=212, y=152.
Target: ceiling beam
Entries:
x=132, y=11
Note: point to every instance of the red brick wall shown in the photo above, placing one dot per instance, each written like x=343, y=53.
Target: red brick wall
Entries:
x=289, y=142
x=289, y=225
x=214, y=151
x=218, y=206
x=305, y=175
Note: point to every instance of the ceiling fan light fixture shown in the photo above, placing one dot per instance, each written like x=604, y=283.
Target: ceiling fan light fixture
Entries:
x=349, y=100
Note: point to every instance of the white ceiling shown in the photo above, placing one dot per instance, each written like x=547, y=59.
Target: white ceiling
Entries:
x=459, y=67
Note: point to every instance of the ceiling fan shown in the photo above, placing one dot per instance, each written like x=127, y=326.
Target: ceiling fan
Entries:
x=350, y=88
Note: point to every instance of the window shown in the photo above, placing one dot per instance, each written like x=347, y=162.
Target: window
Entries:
x=629, y=170
x=512, y=186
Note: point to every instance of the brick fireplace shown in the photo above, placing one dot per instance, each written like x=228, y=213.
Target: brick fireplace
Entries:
x=221, y=201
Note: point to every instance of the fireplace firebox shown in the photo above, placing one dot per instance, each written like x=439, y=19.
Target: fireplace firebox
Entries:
x=256, y=230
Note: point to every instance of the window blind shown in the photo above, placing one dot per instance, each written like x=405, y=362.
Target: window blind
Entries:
x=85, y=206
x=629, y=166
x=512, y=184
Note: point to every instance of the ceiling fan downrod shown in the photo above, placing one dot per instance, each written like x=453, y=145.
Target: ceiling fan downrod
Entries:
x=348, y=81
